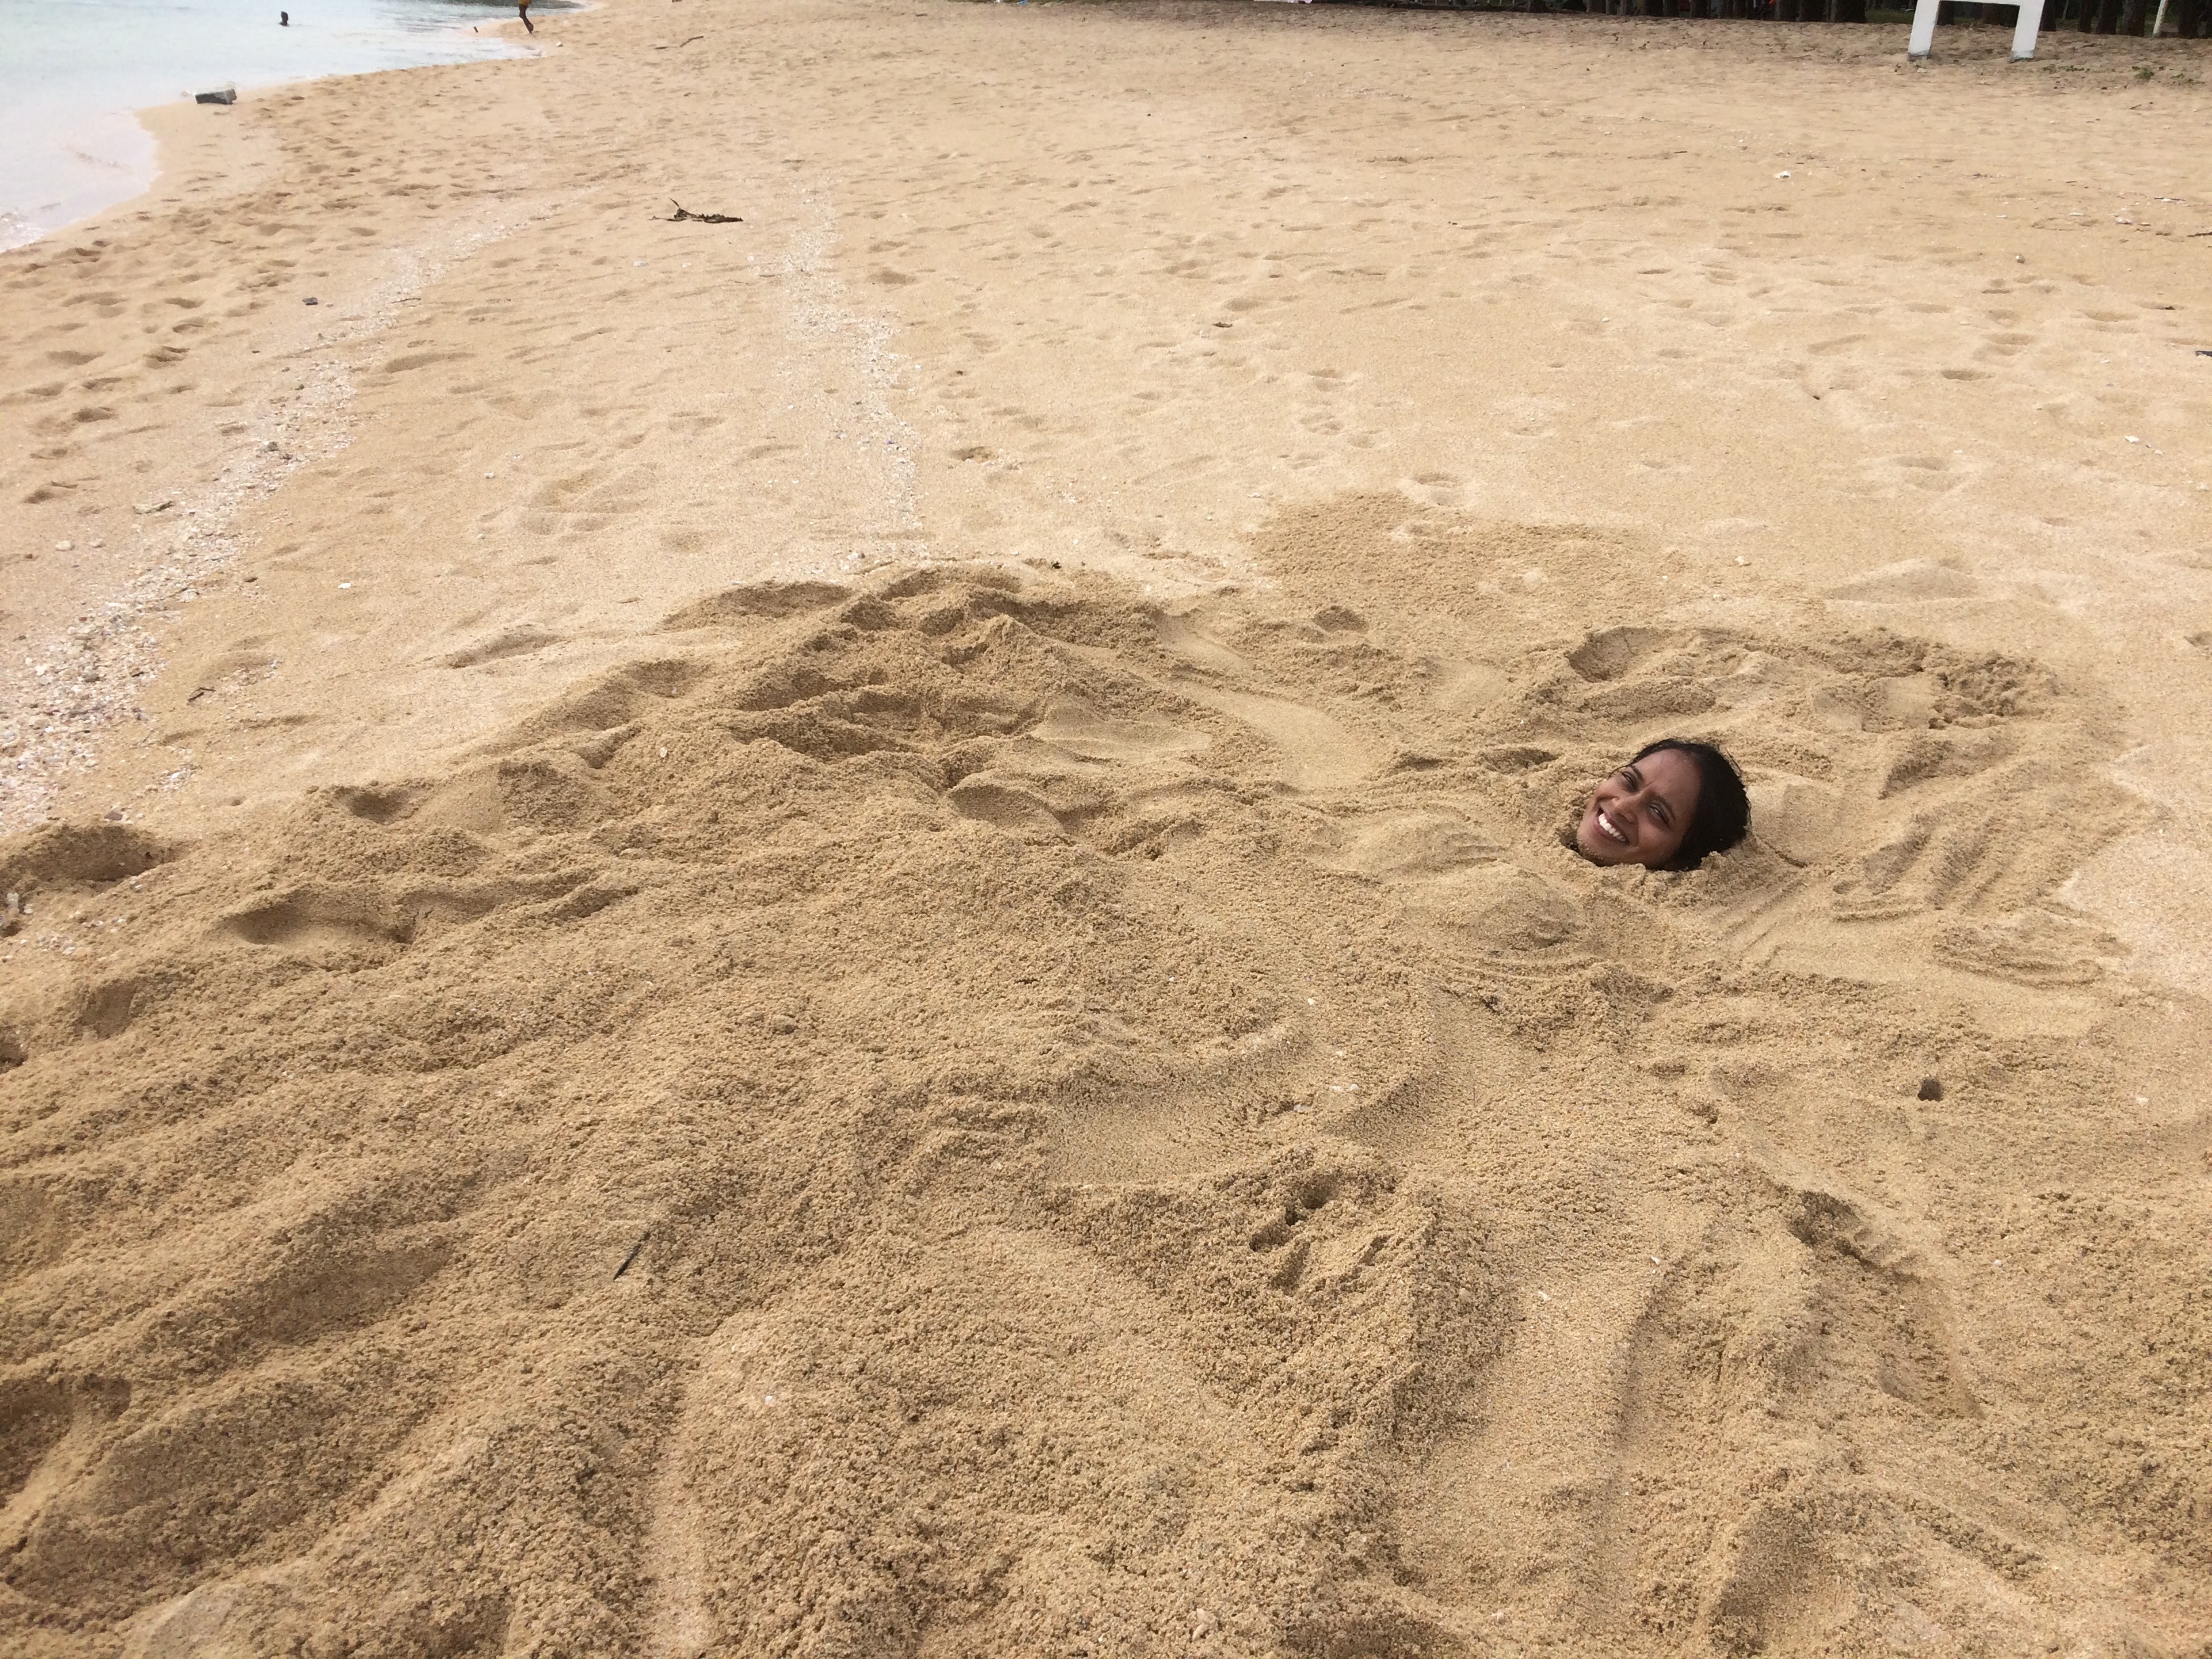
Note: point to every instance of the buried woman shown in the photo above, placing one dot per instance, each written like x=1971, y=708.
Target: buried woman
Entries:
x=1673, y=804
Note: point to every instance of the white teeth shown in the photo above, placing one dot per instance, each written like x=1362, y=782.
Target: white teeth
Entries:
x=1605, y=825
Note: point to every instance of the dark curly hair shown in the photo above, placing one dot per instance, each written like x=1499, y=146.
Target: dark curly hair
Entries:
x=1723, y=817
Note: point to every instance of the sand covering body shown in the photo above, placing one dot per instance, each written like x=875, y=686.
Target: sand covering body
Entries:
x=979, y=1112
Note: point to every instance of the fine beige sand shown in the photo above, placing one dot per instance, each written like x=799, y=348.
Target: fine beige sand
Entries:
x=846, y=934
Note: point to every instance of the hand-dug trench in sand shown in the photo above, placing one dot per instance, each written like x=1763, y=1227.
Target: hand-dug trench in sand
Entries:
x=939, y=1117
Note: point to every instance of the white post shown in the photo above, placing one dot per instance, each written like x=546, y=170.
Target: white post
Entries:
x=2159, y=27
x=2031, y=19
x=1922, y=39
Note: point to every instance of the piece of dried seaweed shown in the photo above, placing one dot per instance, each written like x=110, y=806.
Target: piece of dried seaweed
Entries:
x=684, y=213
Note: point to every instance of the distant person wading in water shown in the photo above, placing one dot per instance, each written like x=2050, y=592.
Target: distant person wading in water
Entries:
x=1673, y=804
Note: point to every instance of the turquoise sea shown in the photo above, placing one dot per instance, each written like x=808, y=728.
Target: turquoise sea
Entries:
x=71, y=72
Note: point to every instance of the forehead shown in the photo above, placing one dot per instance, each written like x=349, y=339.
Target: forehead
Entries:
x=1674, y=775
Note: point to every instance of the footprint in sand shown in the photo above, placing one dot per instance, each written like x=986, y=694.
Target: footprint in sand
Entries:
x=1467, y=688
x=1318, y=752
x=1003, y=804
x=1910, y=581
x=314, y=918
x=508, y=642
x=1082, y=731
x=1185, y=637
x=1406, y=846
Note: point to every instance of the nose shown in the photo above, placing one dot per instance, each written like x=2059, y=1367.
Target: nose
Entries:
x=1628, y=810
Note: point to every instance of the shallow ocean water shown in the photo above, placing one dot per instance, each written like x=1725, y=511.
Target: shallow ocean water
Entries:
x=71, y=72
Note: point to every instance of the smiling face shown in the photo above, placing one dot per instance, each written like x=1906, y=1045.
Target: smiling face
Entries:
x=1640, y=814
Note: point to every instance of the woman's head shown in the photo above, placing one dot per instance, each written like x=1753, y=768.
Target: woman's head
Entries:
x=1670, y=807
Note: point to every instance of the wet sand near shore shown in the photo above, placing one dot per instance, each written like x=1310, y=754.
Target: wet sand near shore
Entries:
x=845, y=932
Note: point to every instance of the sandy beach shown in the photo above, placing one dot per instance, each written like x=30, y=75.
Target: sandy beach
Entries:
x=850, y=934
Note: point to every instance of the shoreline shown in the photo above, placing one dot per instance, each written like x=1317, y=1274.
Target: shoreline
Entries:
x=65, y=128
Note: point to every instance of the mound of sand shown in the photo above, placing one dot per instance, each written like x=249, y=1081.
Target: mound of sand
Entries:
x=978, y=1112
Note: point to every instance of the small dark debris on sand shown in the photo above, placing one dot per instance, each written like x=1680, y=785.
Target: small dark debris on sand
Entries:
x=684, y=213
